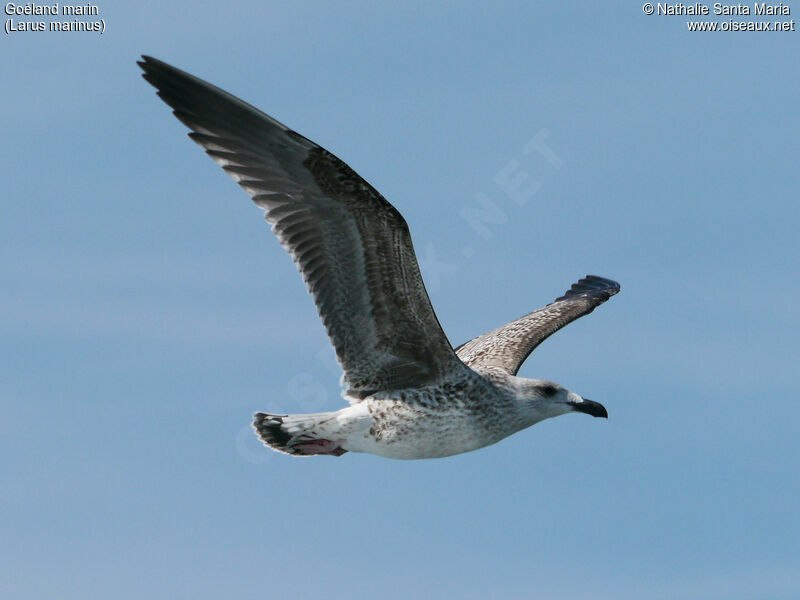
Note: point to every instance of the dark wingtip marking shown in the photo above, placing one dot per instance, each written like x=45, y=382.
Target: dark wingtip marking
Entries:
x=592, y=285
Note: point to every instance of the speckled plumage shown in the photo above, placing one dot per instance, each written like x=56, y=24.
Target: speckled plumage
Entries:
x=411, y=394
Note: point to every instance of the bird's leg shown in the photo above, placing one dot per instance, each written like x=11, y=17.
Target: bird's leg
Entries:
x=319, y=446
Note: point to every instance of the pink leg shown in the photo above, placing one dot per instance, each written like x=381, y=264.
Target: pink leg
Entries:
x=319, y=446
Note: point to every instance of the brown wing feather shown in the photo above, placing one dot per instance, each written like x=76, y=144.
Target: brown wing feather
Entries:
x=507, y=347
x=351, y=246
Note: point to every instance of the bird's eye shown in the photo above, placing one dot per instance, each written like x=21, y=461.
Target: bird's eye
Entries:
x=549, y=391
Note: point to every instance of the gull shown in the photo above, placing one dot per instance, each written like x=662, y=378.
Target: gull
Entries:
x=411, y=395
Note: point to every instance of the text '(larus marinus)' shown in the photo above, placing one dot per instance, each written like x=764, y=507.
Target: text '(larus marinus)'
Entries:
x=411, y=395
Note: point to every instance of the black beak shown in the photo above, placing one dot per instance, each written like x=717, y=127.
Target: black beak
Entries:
x=590, y=407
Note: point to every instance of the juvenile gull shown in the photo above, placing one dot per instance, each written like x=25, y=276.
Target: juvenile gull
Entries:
x=411, y=395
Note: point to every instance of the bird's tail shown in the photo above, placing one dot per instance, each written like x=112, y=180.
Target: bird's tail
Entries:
x=298, y=435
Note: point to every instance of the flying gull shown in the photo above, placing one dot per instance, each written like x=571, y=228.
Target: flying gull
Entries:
x=411, y=395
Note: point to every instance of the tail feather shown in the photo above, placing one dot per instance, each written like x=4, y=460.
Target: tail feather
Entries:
x=294, y=434
x=270, y=429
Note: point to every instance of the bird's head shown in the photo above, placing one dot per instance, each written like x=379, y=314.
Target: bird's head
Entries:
x=545, y=399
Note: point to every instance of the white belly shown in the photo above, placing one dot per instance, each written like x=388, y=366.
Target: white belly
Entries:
x=396, y=430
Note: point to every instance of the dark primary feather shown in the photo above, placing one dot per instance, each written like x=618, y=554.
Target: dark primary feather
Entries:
x=351, y=246
x=507, y=347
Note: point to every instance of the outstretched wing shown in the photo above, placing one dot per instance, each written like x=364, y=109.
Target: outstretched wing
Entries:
x=507, y=347
x=351, y=246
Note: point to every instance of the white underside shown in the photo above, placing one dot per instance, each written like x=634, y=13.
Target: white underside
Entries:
x=352, y=429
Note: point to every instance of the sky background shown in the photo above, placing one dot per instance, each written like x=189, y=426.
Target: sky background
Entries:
x=146, y=311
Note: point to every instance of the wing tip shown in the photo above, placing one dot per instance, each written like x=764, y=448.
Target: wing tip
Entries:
x=150, y=65
x=594, y=286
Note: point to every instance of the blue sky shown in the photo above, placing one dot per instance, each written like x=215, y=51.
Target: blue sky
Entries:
x=147, y=311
